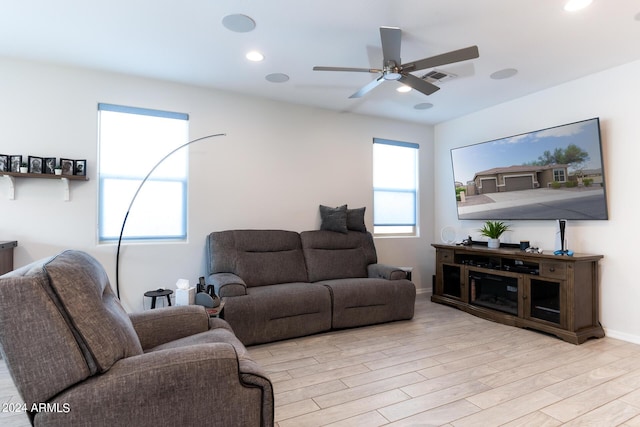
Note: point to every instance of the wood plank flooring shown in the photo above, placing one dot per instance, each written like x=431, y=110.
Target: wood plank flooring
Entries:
x=443, y=368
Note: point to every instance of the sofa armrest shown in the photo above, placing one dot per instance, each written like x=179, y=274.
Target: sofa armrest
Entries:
x=162, y=325
x=228, y=284
x=386, y=272
x=195, y=385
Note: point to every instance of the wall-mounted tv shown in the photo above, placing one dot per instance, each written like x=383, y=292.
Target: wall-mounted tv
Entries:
x=554, y=173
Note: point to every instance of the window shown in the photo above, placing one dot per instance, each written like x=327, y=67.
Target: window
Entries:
x=131, y=142
x=395, y=182
x=558, y=175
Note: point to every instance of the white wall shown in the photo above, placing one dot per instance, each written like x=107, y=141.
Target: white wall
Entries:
x=611, y=95
x=277, y=163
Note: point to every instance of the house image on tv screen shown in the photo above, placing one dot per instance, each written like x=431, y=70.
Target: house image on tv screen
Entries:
x=515, y=178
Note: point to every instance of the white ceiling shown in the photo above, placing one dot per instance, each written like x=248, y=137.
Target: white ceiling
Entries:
x=185, y=41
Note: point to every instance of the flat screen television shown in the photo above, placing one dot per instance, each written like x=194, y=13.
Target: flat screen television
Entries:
x=554, y=173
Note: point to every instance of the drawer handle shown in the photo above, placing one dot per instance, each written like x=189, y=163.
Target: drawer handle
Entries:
x=552, y=269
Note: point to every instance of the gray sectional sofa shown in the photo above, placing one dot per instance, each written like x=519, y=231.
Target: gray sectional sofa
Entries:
x=280, y=284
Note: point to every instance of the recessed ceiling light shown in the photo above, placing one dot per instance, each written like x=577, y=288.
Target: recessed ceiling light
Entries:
x=423, y=106
x=238, y=23
x=277, y=78
x=575, y=5
x=403, y=88
x=504, y=74
x=254, y=56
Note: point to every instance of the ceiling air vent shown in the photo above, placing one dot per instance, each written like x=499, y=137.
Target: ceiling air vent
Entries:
x=437, y=76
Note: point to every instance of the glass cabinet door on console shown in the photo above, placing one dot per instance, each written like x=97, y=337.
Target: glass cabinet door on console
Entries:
x=451, y=281
x=450, y=277
x=547, y=296
x=544, y=301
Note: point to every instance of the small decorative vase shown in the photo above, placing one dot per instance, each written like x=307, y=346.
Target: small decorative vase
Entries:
x=493, y=243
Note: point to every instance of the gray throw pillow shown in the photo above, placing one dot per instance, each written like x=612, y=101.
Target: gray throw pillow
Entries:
x=334, y=219
x=355, y=220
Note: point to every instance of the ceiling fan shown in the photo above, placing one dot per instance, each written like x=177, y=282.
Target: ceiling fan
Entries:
x=393, y=69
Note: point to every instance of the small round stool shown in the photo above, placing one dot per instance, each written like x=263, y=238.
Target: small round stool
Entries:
x=158, y=293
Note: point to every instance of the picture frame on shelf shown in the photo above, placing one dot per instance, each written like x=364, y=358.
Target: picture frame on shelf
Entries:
x=35, y=164
x=15, y=161
x=67, y=166
x=80, y=167
x=4, y=163
x=49, y=165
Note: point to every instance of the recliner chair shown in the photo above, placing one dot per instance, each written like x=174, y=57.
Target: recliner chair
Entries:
x=77, y=358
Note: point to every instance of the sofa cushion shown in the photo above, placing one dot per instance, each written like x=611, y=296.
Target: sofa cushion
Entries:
x=366, y=301
x=41, y=351
x=85, y=295
x=277, y=312
x=228, y=284
x=259, y=257
x=331, y=255
x=333, y=219
x=162, y=325
x=355, y=220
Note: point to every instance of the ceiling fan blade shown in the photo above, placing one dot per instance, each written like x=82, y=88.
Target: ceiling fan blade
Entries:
x=358, y=70
x=391, y=38
x=443, y=59
x=418, y=84
x=369, y=86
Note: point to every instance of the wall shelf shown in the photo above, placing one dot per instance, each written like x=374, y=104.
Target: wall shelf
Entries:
x=64, y=179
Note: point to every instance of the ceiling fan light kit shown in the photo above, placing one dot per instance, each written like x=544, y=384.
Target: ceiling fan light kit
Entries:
x=393, y=69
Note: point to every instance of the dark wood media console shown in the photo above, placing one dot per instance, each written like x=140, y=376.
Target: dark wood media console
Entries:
x=550, y=293
x=6, y=256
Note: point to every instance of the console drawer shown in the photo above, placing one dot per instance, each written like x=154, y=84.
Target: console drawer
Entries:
x=445, y=255
x=553, y=270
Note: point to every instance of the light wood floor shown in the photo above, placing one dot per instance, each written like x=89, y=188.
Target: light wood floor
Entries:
x=444, y=367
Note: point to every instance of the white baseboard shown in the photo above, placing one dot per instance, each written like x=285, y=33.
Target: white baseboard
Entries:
x=623, y=336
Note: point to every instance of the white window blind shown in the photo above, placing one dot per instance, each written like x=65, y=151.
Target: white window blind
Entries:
x=131, y=141
x=395, y=183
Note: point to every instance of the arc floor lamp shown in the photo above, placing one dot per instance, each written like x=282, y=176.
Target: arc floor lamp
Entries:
x=124, y=222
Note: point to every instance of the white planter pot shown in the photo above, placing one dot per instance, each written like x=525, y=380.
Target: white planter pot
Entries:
x=493, y=243
x=24, y=169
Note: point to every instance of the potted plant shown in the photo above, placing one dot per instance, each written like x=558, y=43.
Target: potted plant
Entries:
x=493, y=230
x=58, y=169
x=24, y=168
